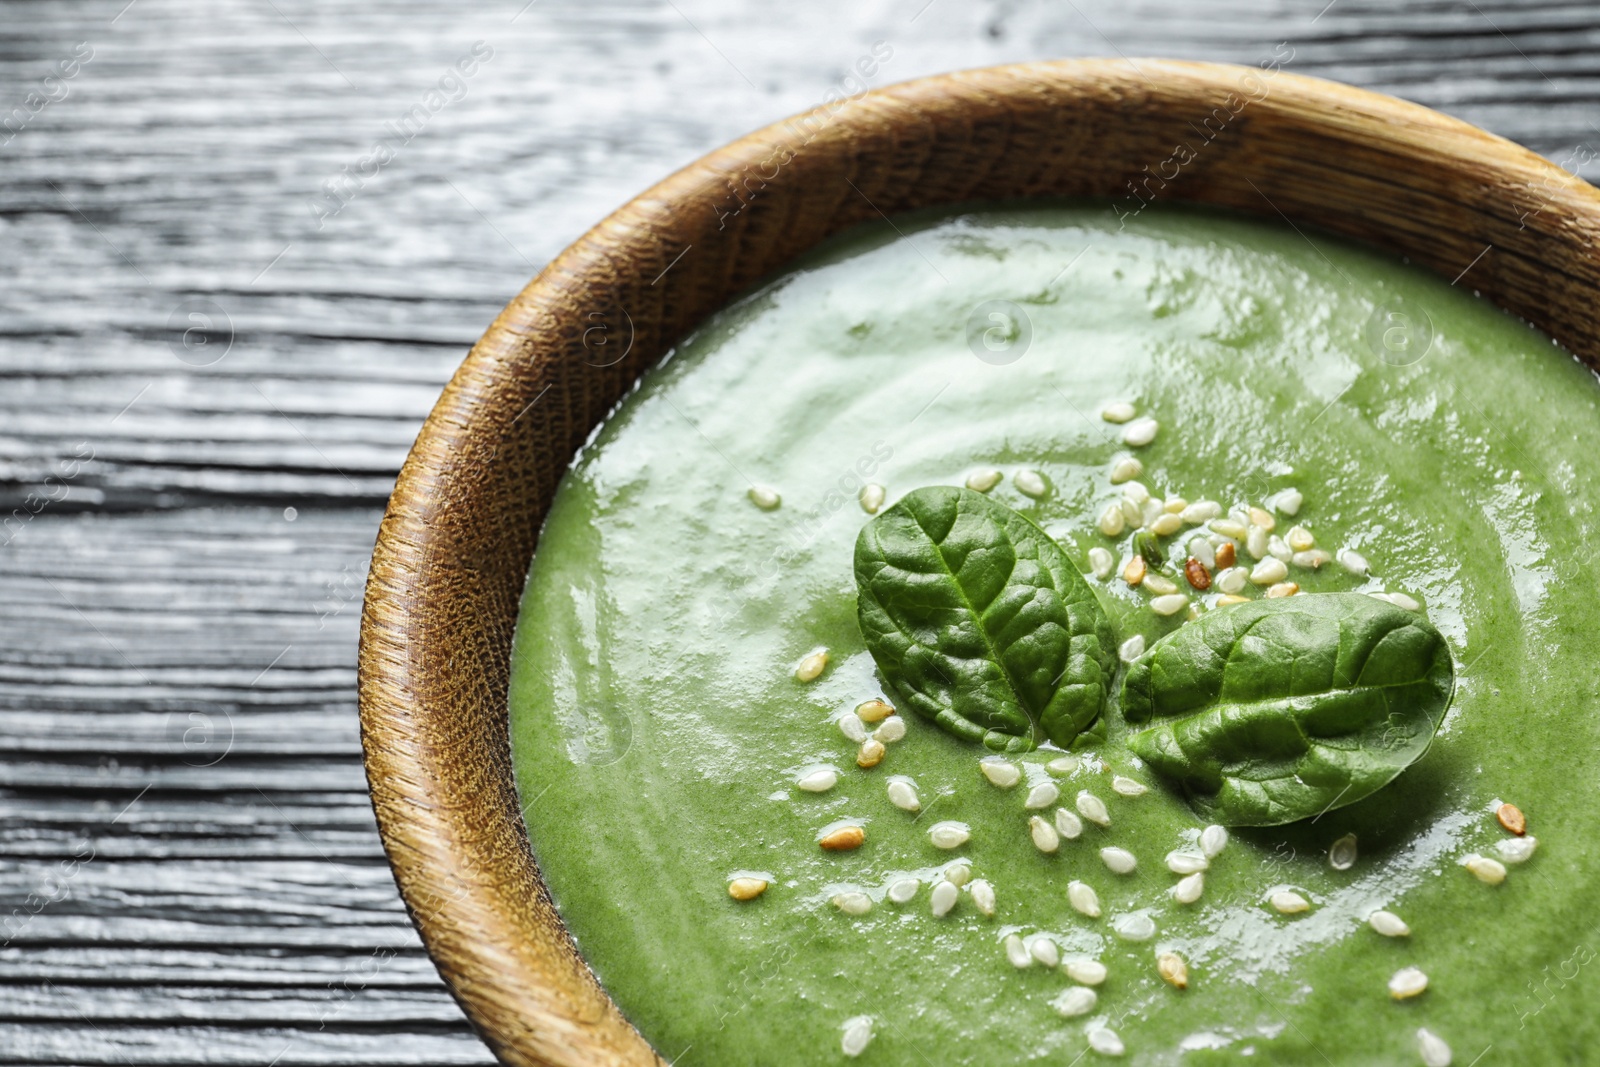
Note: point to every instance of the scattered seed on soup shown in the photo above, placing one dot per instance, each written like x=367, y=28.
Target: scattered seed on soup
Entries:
x=903, y=794
x=874, y=710
x=1118, y=860
x=1102, y=562
x=904, y=890
x=1312, y=560
x=949, y=834
x=1112, y=521
x=872, y=497
x=1030, y=483
x=1510, y=816
x=1125, y=469
x=747, y=888
x=1089, y=972
x=812, y=666
x=983, y=896
x=1118, y=412
x=1517, y=849
x=1388, y=924
x=1170, y=604
x=1201, y=511
x=1204, y=554
x=1062, y=765
x=1136, y=492
x=1045, y=951
x=1401, y=600
x=1166, y=525
x=1213, y=839
x=1407, y=982
x=1299, y=539
x=1128, y=787
x=1484, y=869
x=1042, y=796
x=1231, y=580
x=1225, y=600
x=857, y=1036
x=958, y=874
x=1432, y=1049
x=1083, y=898
x=1189, y=887
x=1181, y=862
x=1045, y=837
x=984, y=480
x=943, y=898
x=1140, y=432
x=1068, y=825
x=764, y=497
x=1288, y=902
x=1288, y=502
x=1134, y=927
x=1105, y=1041
x=1159, y=585
x=1173, y=970
x=1093, y=808
x=852, y=727
x=870, y=754
x=1342, y=853
x=818, y=781
x=1135, y=571
x=1353, y=561
x=1132, y=648
x=1269, y=571
x=1230, y=527
x=1017, y=953
x=853, y=903
x=1001, y=773
x=843, y=839
x=1075, y=1001
x=891, y=730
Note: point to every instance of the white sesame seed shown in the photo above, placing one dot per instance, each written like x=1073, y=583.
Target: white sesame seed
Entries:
x=1152, y=510
x=1256, y=541
x=1484, y=869
x=1262, y=518
x=1101, y=562
x=943, y=898
x=1269, y=571
x=1140, y=432
x=1105, y=1041
x=1181, y=862
x=1230, y=528
x=1170, y=604
x=1089, y=972
x=1125, y=469
x=982, y=896
x=1174, y=505
x=1189, y=887
x=764, y=498
x=1112, y=521
x=1232, y=580
x=903, y=794
x=1277, y=549
x=1388, y=924
x=1353, y=561
x=1288, y=902
x=1166, y=525
x=1132, y=648
x=1159, y=585
x=1288, y=502
x=949, y=834
x=871, y=753
x=1201, y=550
x=1119, y=411
x=1045, y=838
x=1083, y=898
x=1400, y=600
x=1200, y=511
x=1432, y=1048
x=1314, y=559
x=902, y=891
x=1002, y=773
x=1062, y=765
x=1132, y=513
x=818, y=781
x=812, y=666
x=1137, y=492
x=1299, y=539
x=1030, y=483
x=1282, y=589
x=1093, y=808
x=1042, y=796
x=1517, y=849
x=1045, y=951
x=1134, y=927
x=852, y=727
x=1407, y=982
x=984, y=480
x=1229, y=598
x=1342, y=853
x=1128, y=787
x=872, y=497
x=1068, y=825
x=857, y=1036
x=1213, y=839
x=1118, y=860
x=853, y=903
x=1018, y=953
x=893, y=729
x=958, y=874
x=1173, y=970
x=1074, y=1001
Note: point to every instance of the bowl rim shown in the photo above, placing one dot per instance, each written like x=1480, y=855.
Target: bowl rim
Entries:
x=428, y=721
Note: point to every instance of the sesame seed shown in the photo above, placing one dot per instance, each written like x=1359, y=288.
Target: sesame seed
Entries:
x=903, y=794
x=1283, y=589
x=1173, y=970
x=1083, y=898
x=764, y=498
x=1313, y=559
x=1300, y=539
x=984, y=480
x=746, y=888
x=902, y=891
x=872, y=497
x=1388, y=924
x=1089, y=972
x=1118, y=860
x=1484, y=869
x=1140, y=432
x=1068, y=825
x=853, y=903
x=1407, y=982
x=1137, y=492
x=1229, y=598
x=1125, y=469
x=1105, y=1041
x=1045, y=951
x=1112, y=521
x=1150, y=511
x=870, y=754
x=1213, y=839
x=843, y=839
x=1135, y=571
x=958, y=874
x=1200, y=511
x=1062, y=765
x=1342, y=853
x=1227, y=555
x=949, y=834
x=1132, y=512
x=1288, y=502
x=1128, y=787
x=857, y=1036
x=1229, y=528
x=1180, y=862
x=1201, y=550
x=1232, y=579
x=1117, y=412
x=983, y=896
x=1132, y=648
x=1269, y=571
x=1278, y=549
x=818, y=781
x=943, y=898
x=1101, y=562
x=1159, y=585
x=812, y=666
x=1045, y=838
x=1288, y=902
x=1169, y=604
x=1002, y=773
x=1263, y=518
x=1256, y=542
x=1174, y=505
x=1166, y=525
x=1030, y=483
x=1187, y=890
x=1134, y=927
x=892, y=730
x=874, y=710
x=1516, y=849
x=1432, y=1048
x=1042, y=796
x=852, y=727
x=1093, y=808
x=1074, y=1001
x=1401, y=600
x=1017, y=952
x=1353, y=561
x=1510, y=816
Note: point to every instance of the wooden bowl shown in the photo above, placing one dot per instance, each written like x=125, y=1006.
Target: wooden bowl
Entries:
x=453, y=551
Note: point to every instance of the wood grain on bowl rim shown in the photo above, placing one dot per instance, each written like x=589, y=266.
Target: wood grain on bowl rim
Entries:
x=453, y=549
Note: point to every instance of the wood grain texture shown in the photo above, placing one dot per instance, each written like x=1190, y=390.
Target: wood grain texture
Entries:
x=244, y=895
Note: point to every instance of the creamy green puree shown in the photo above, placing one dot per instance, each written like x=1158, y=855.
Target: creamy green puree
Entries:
x=660, y=730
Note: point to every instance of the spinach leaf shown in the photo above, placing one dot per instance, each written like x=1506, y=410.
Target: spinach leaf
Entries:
x=1277, y=710
x=978, y=621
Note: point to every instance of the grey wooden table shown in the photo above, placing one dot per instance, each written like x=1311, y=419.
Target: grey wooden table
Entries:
x=242, y=244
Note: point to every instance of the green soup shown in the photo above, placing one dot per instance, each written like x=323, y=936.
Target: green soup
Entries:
x=659, y=728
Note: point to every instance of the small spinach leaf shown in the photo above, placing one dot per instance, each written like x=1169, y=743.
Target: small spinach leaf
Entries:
x=1277, y=710
x=978, y=620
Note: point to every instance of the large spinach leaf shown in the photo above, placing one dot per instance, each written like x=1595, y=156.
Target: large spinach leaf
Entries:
x=1277, y=710
x=979, y=621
